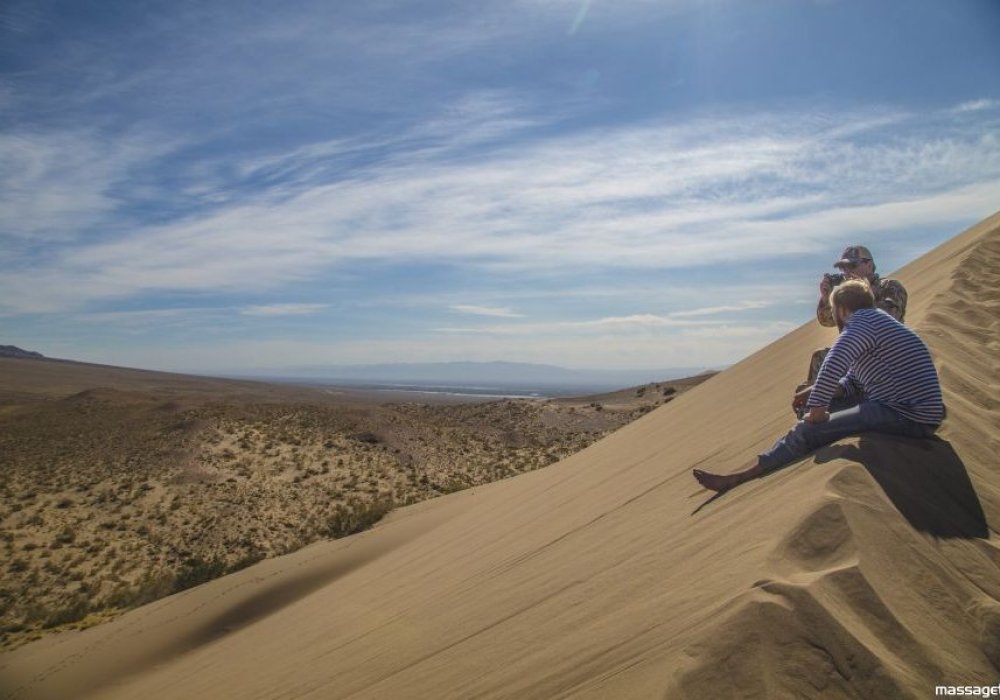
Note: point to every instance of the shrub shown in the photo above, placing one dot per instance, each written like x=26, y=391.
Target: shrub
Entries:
x=74, y=612
x=366, y=438
x=197, y=571
x=151, y=587
x=357, y=516
x=248, y=560
x=453, y=484
x=66, y=535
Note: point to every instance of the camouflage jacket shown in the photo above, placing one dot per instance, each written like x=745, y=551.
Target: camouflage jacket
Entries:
x=890, y=296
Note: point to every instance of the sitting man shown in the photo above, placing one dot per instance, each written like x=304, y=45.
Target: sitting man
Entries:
x=877, y=377
x=855, y=263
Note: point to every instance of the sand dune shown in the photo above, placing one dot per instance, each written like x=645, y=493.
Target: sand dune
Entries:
x=867, y=570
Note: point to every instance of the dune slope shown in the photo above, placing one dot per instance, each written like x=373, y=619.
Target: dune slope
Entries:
x=867, y=570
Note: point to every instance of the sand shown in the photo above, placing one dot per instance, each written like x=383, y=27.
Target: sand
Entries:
x=869, y=569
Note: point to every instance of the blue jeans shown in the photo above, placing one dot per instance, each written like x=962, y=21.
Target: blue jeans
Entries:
x=847, y=418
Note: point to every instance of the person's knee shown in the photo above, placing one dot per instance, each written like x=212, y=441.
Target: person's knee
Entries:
x=798, y=438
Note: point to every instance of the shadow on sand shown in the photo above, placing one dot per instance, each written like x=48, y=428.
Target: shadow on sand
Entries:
x=925, y=479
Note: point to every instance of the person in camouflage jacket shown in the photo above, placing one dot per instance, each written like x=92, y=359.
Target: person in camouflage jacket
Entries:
x=855, y=263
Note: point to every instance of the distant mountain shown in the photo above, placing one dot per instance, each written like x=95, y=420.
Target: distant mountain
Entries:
x=498, y=374
x=14, y=351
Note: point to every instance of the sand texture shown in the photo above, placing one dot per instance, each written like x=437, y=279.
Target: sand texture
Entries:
x=867, y=570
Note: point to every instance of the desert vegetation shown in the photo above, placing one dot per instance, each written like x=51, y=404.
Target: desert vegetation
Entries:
x=110, y=498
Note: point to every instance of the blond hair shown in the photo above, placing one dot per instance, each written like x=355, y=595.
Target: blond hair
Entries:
x=852, y=295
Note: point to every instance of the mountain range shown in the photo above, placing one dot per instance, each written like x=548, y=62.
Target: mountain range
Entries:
x=499, y=374
x=14, y=351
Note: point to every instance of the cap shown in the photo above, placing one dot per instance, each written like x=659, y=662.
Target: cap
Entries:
x=853, y=255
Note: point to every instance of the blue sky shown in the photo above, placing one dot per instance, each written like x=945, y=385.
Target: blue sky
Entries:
x=233, y=186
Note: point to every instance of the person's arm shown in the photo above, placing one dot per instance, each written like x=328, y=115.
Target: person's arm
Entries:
x=824, y=314
x=848, y=385
x=801, y=397
x=854, y=341
x=892, y=299
x=817, y=414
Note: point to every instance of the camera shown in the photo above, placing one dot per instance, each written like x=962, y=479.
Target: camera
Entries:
x=834, y=278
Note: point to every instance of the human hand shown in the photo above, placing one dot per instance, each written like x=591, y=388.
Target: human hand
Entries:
x=817, y=414
x=828, y=282
x=800, y=398
x=825, y=286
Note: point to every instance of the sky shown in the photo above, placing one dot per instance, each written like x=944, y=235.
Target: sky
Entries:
x=246, y=186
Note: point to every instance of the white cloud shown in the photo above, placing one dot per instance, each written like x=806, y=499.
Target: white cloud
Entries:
x=56, y=185
x=283, y=309
x=486, y=311
x=620, y=324
x=371, y=182
x=144, y=315
x=977, y=105
x=708, y=192
x=709, y=310
x=640, y=321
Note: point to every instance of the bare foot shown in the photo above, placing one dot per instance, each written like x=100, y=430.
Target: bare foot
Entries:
x=724, y=482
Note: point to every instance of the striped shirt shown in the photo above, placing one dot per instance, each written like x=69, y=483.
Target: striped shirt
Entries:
x=886, y=362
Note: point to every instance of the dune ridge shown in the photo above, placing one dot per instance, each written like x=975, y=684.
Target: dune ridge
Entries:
x=869, y=569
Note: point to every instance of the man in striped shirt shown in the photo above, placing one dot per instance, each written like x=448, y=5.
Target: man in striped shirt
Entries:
x=877, y=377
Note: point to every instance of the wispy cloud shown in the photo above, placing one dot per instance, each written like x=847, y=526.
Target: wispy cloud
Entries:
x=585, y=180
x=977, y=105
x=58, y=185
x=283, y=309
x=661, y=195
x=486, y=311
x=636, y=321
x=146, y=320
x=617, y=324
x=711, y=310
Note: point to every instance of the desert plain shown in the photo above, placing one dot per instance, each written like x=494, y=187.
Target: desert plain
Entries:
x=870, y=569
x=122, y=486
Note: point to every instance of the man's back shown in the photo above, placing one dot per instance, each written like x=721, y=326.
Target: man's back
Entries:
x=887, y=362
